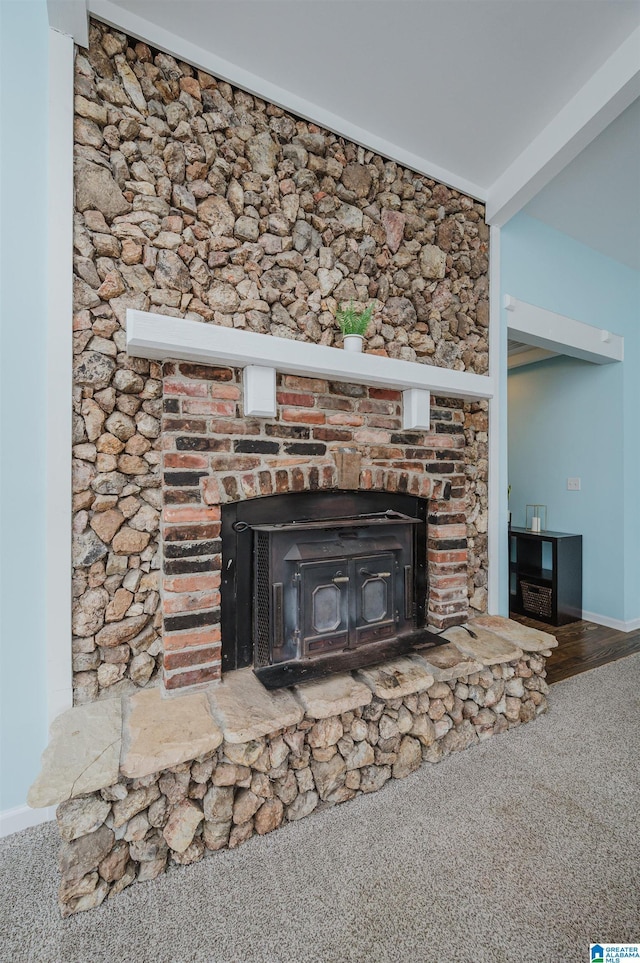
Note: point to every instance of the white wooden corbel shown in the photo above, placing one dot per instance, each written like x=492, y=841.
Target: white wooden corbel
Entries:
x=260, y=391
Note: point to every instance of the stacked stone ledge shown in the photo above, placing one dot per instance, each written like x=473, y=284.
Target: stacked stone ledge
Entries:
x=203, y=771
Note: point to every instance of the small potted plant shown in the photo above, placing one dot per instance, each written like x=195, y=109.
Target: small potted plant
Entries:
x=353, y=325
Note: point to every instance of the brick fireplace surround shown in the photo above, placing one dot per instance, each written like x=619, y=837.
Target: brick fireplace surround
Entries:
x=213, y=455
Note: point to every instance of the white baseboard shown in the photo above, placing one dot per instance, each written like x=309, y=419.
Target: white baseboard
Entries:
x=610, y=623
x=22, y=817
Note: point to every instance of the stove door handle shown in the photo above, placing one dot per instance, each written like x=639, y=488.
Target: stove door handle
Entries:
x=368, y=574
x=340, y=578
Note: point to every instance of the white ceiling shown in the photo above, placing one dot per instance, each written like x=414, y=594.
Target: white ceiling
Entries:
x=596, y=198
x=464, y=83
x=458, y=88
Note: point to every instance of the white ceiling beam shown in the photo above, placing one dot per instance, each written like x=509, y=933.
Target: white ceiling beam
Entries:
x=529, y=356
x=536, y=326
x=171, y=43
x=71, y=18
x=608, y=92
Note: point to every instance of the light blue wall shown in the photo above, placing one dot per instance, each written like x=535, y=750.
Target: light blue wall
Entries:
x=570, y=418
x=23, y=128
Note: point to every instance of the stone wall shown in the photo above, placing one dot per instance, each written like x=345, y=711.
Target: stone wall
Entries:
x=196, y=199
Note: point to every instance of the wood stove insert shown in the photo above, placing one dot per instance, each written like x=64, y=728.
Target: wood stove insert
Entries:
x=319, y=582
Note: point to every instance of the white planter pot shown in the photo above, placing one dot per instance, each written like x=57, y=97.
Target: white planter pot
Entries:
x=353, y=342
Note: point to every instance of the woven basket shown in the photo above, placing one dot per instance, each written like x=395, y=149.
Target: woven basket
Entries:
x=536, y=599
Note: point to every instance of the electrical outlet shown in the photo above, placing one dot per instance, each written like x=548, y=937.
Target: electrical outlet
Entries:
x=573, y=484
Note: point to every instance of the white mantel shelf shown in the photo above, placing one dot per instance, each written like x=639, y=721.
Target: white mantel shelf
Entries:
x=160, y=338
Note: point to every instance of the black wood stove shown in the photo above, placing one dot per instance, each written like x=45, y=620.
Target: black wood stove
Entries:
x=328, y=589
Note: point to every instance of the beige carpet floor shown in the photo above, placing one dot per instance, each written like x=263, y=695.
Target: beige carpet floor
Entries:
x=525, y=848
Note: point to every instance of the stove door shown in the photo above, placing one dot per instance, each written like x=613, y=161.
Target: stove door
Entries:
x=373, y=597
x=324, y=615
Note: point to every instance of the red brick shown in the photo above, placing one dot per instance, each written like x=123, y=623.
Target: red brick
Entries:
x=191, y=533
x=173, y=387
x=172, y=641
x=447, y=531
x=297, y=480
x=459, y=555
x=189, y=657
x=331, y=403
x=184, y=424
x=173, y=460
x=342, y=418
x=314, y=385
x=327, y=477
x=305, y=416
x=332, y=434
x=205, y=371
x=235, y=462
x=408, y=465
x=230, y=486
x=192, y=583
x=249, y=486
x=184, y=602
x=366, y=436
x=295, y=398
x=444, y=441
x=278, y=461
x=240, y=426
x=379, y=452
x=382, y=421
x=266, y=483
x=385, y=394
x=188, y=514
x=197, y=677
x=203, y=407
x=377, y=407
x=225, y=408
x=211, y=491
x=442, y=582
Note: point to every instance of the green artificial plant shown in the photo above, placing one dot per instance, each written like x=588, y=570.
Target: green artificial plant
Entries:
x=352, y=321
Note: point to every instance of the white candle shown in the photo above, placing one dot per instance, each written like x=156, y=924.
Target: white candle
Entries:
x=535, y=523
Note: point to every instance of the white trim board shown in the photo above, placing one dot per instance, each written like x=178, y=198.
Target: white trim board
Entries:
x=497, y=482
x=22, y=817
x=609, y=623
x=160, y=337
x=70, y=18
x=608, y=92
x=59, y=375
x=176, y=46
x=555, y=332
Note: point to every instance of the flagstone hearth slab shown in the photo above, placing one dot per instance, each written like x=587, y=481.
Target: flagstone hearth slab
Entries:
x=332, y=697
x=529, y=639
x=245, y=710
x=83, y=754
x=397, y=678
x=487, y=648
x=446, y=663
x=161, y=731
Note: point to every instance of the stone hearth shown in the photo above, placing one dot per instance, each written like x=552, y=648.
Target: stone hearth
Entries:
x=155, y=780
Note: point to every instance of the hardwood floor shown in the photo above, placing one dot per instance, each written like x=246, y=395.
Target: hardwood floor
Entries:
x=583, y=646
